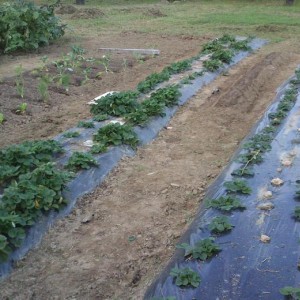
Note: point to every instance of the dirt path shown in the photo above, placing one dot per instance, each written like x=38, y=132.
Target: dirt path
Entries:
x=121, y=235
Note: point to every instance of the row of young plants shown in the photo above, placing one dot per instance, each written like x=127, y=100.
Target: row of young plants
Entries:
x=31, y=181
x=252, y=155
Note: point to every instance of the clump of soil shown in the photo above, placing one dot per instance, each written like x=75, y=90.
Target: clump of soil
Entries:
x=154, y=12
x=66, y=10
x=87, y=13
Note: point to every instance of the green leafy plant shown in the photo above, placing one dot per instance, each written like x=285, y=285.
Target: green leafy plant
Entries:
x=169, y=95
x=152, y=81
x=223, y=55
x=212, y=64
x=225, y=203
x=185, y=277
x=71, y=134
x=22, y=108
x=98, y=148
x=116, y=104
x=237, y=186
x=86, y=124
x=26, y=26
x=220, y=224
x=203, y=249
x=178, y=67
x=297, y=213
x=43, y=86
x=290, y=291
x=20, y=81
x=240, y=45
x=116, y=134
x=243, y=172
x=80, y=160
x=2, y=118
x=101, y=117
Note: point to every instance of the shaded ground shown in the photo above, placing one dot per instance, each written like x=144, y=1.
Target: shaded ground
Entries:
x=121, y=235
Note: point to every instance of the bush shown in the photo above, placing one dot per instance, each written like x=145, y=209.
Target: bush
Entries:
x=26, y=26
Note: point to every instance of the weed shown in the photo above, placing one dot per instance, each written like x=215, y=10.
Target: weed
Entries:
x=237, y=186
x=185, y=277
x=203, y=249
x=105, y=62
x=116, y=134
x=226, y=203
x=86, y=124
x=22, y=108
x=80, y=160
x=71, y=134
x=290, y=291
x=43, y=86
x=220, y=224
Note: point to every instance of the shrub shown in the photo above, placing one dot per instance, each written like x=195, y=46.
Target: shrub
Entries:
x=26, y=26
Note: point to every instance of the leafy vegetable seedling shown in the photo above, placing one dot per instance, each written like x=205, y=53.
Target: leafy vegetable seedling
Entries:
x=81, y=160
x=290, y=291
x=71, y=134
x=220, y=224
x=2, y=118
x=86, y=124
x=237, y=186
x=22, y=108
x=185, y=277
x=202, y=250
x=226, y=203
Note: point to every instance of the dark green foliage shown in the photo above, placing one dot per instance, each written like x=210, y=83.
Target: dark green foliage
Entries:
x=26, y=26
x=101, y=117
x=116, y=104
x=153, y=107
x=261, y=141
x=138, y=117
x=212, y=46
x=225, y=203
x=71, y=134
x=226, y=38
x=251, y=157
x=179, y=67
x=116, y=134
x=86, y=124
x=185, y=277
x=212, y=65
x=152, y=81
x=202, y=250
x=5, y=250
x=237, y=186
x=168, y=95
x=35, y=192
x=98, y=148
x=19, y=159
x=243, y=172
x=80, y=160
x=224, y=55
x=292, y=292
x=220, y=224
x=240, y=45
x=297, y=213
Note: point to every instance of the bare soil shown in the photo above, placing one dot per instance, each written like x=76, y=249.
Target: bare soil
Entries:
x=119, y=237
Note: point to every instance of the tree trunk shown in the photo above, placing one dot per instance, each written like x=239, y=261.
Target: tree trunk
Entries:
x=82, y=2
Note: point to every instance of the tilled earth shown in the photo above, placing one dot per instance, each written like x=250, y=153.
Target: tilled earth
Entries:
x=120, y=236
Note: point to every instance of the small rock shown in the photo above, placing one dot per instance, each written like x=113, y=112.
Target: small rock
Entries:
x=169, y=127
x=88, y=143
x=87, y=219
x=277, y=181
x=195, y=192
x=164, y=191
x=266, y=206
x=264, y=238
x=286, y=163
x=267, y=195
x=175, y=185
x=279, y=170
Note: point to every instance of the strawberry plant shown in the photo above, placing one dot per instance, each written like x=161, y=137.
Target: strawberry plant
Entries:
x=153, y=107
x=297, y=213
x=237, y=186
x=203, y=249
x=116, y=104
x=168, y=95
x=101, y=117
x=116, y=134
x=178, y=67
x=152, y=81
x=5, y=250
x=98, y=148
x=138, y=117
x=223, y=55
x=81, y=160
x=220, y=224
x=86, y=124
x=243, y=172
x=225, y=203
x=240, y=45
x=292, y=292
x=212, y=65
x=71, y=134
x=185, y=277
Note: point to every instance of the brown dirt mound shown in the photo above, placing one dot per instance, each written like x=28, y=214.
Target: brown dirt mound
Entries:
x=88, y=13
x=66, y=10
